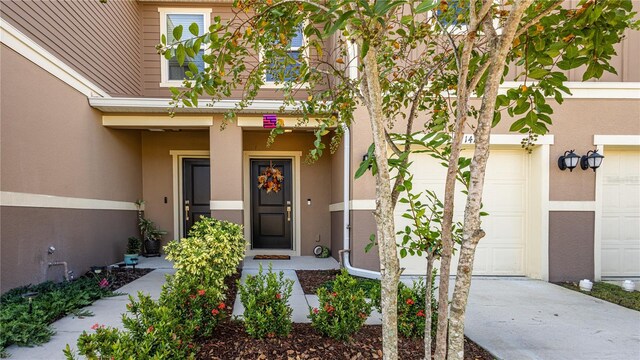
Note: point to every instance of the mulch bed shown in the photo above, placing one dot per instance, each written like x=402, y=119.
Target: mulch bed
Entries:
x=121, y=277
x=311, y=280
x=231, y=342
x=231, y=282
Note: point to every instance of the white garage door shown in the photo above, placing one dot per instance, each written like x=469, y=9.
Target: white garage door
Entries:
x=621, y=213
x=502, y=251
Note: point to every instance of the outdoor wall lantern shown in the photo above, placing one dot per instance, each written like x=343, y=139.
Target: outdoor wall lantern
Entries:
x=592, y=160
x=569, y=160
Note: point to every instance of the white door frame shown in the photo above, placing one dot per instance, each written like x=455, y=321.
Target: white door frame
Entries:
x=177, y=156
x=295, y=163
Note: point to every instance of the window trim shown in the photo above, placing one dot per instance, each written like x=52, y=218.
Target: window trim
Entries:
x=164, y=63
x=305, y=52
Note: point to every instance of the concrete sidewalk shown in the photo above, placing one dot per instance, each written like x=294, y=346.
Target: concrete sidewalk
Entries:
x=107, y=311
x=531, y=319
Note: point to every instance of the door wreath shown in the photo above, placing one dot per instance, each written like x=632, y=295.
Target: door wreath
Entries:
x=270, y=179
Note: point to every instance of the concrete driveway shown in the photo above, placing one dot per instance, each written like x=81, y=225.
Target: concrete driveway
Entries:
x=530, y=319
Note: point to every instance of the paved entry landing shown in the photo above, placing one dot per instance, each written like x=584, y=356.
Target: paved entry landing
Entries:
x=530, y=319
x=298, y=301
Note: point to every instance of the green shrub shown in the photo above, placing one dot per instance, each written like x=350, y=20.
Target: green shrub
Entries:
x=153, y=330
x=265, y=299
x=190, y=304
x=133, y=245
x=212, y=252
x=343, y=310
x=54, y=300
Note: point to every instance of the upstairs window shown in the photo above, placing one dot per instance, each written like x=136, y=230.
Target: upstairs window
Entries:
x=290, y=64
x=172, y=74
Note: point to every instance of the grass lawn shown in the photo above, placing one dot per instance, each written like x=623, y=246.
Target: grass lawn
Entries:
x=611, y=293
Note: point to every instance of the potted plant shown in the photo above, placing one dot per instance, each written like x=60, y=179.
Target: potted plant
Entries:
x=133, y=249
x=152, y=236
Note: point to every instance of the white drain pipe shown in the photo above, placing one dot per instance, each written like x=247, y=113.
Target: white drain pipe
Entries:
x=346, y=218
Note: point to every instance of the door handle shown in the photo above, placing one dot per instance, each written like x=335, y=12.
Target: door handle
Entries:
x=288, y=213
x=186, y=210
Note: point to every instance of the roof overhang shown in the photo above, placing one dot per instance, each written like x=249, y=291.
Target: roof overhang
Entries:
x=161, y=105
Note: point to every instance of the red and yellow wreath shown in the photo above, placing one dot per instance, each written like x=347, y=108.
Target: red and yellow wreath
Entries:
x=270, y=179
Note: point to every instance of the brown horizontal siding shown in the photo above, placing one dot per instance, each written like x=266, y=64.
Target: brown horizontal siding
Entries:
x=100, y=41
x=151, y=59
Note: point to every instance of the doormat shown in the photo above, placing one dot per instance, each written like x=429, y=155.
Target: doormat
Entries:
x=272, y=257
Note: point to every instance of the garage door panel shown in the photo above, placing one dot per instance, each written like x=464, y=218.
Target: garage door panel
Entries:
x=611, y=260
x=612, y=200
x=495, y=194
x=504, y=230
x=610, y=228
x=482, y=261
x=506, y=165
x=630, y=197
x=631, y=260
x=507, y=260
x=630, y=228
x=620, y=245
x=502, y=251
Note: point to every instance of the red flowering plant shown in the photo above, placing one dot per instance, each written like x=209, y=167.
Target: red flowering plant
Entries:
x=265, y=298
x=190, y=305
x=411, y=310
x=342, y=311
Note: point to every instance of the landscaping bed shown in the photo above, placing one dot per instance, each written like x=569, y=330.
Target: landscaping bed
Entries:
x=26, y=325
x=609, y=292
x=311, y=280
x=230, y=341
x=120, y=277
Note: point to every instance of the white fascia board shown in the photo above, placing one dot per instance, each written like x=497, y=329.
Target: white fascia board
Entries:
x=504, y=139
x=162, y=104
x=23, y=45
x=590, y=89
x=627, y=140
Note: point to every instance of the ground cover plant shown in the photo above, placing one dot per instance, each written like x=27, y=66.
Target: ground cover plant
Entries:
x=22, y=327
x=265, y=298
x=191, y=304
x=609, y=292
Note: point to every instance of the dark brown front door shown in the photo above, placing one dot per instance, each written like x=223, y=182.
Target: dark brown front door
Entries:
x=196, y=191
x=271, y=212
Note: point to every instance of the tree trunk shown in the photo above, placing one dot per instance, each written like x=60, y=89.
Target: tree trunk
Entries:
x=427, y=309
x=447, y=232
x=472, y=231
x=389, y=263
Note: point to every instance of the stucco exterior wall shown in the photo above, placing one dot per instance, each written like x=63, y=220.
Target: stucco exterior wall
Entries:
x=571, y=246
x=53, y=143
x=157, y=173
x=315, y=183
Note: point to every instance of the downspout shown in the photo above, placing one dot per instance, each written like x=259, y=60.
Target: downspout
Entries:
x=344, y=254
x=346, y=214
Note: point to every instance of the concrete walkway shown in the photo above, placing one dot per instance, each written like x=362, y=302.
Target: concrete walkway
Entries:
x=531, y=319
x=512, y=318
x=106, y=312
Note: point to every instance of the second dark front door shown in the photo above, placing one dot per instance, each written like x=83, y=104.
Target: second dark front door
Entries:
x=271, y=212
x=197, y=191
